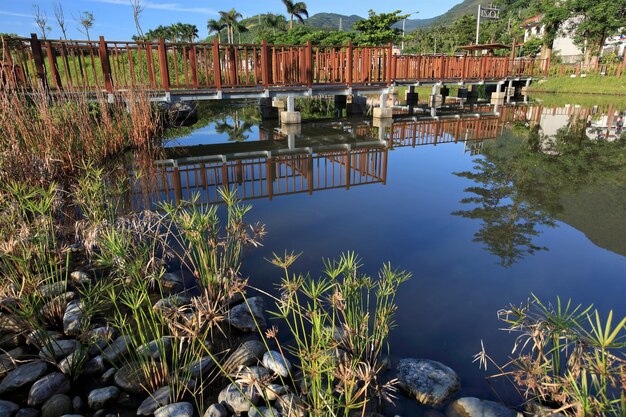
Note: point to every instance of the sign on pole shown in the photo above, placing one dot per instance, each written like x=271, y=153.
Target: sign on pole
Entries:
x=490, y=12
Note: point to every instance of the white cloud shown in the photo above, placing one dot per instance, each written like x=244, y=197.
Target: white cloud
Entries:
x=6, y=13
x=173, y=7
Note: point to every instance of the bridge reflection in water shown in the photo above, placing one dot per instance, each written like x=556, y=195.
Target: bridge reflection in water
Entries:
x=323, y=156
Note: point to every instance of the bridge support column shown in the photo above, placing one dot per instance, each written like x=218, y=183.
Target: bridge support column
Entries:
x=525, y=90
x=497, y=97
x=383, y=112
x=435, y=100
x=383, y=126
x=510, y=91
x=267, y=109
x=291, y=116
x=291, y=130
x=412, y=99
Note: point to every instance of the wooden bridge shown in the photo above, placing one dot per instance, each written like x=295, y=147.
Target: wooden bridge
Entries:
x=215, y=71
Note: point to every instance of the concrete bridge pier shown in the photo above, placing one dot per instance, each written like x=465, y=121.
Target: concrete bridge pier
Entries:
x=497, y=97
x=510, y=92
x=435, y=100
x=383, y=112
x=525, y=90
x=383, y=126
x=291, y=130
x=290, y=116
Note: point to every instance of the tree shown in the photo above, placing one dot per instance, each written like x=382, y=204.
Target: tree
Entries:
x=231, y=20
x=137, y=10
x=187, y=32
x=216, y=26
x=377, y=28
x=86, y=20
x=297, y=10
x=41, y=20
x=275, y=22
x=554, y=14
x=599, y=19
x=60, y=18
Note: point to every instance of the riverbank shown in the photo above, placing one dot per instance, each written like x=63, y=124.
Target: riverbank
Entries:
x=592, y=84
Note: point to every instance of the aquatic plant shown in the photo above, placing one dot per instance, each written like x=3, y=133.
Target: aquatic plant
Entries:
x=566, y=356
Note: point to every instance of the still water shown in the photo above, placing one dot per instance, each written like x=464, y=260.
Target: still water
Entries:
x=344, y=184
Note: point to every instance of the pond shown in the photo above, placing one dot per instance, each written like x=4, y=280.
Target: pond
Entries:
x=477, y=232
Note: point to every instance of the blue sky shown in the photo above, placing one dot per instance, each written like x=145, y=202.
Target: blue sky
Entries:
x=113, y=18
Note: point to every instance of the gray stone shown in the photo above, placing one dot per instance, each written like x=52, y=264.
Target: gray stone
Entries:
x=80, y=277
x=131, y=378
x=182, y=409
x=201, y=367
x=41, y=337
x=246, y=354
x=11, y=340
x=23, y=375
x=157, y=349
x=158, y=399
x=431, y=383
x=27, y=412
x=474, y=407
x=94, y=366
x=8, y=360
x=57, y=305
x=77, y=404
x=535, y=409
x=74, y=363
x=108, y=375
x=263, y=412
x=237, y=398
x=254, y=374
x=74, y=319
x=54, y=289
x=99, y=339
x=101, y=397
x=172, y=283
x=216, y=410
x=274, y=361
x=56, y=406
x=290, y=405
x=247, y=316
x=46, y=387
x=273, y=391
x=173, y=301
x=7, y=408
x=116, y=350
x=56, y=349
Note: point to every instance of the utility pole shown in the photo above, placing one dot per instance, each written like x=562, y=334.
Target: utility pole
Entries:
x=403, y=27
x=478, y=26
x=490, y=12
x=341, y=24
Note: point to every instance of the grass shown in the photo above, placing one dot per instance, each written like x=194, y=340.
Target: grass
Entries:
x=592, y=84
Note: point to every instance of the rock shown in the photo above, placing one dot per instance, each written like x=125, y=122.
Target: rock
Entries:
x=253, y=374
x=101, y=397
x=173, y=301
x=11, y=340
x=182, y=409
x=7, y=408
x=41, y=337
x=131, y=378
x=247, y=316
x=237, y=398
x=158, y=399
x=116, y=350
x=246, y=354
x=8, y=360
x=77, y=404
x=201, y=367
x=474, y=407
x=74, y=319
x=80, y=277
x=180, y=114
x=54, y=289
x=172, y=283
x=216, y=410
x=58, y=405
x=27, y=412
x=74, y=363
x=535, y=409
x=431, y=383
x=433, y=413
x=274, y=361
x=94, y=366
x=263, y=412
x=99, y=339
x=55, y=307
x=273, y=391
x=157, y=349
x=108, y=375
x=23, y=375
x=46, y=387
x=56, y=349
x=290, y=405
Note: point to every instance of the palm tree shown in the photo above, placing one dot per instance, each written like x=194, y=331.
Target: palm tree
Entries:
x=275, y=21
x=215, y=26
x=296, y=10
x=188, y=32
x=231, y=20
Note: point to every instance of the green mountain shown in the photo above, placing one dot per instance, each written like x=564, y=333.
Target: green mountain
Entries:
x=332, y=21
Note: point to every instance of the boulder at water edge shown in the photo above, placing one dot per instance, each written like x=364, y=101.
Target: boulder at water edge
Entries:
x=247, y=315
x=431, y=383
x=474, y=407
x=175, y=410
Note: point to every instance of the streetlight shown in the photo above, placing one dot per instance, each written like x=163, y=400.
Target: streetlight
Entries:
x=403, y=24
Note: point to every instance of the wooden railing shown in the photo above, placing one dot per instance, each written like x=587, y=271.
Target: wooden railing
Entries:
x=164, y=66
x=615, y=69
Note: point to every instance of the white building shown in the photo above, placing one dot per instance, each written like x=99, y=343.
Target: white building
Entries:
x=563, y=44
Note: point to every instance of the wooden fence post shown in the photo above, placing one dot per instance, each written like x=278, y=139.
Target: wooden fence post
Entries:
x=56, y=78
x=309, y=64
x=35, y=46
x=388, y=63
x=233, y=65
x=164, y=69
x=349, y=64
x=105, y=64
x=264, y=64
x=193, y=59
x=217, y=64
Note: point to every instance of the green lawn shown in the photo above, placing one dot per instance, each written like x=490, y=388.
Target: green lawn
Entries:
x=592, y=84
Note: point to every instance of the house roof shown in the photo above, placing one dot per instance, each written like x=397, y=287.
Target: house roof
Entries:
x=532, y=21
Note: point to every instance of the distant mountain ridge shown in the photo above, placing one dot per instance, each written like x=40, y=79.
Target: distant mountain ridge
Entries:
x=332, y=20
